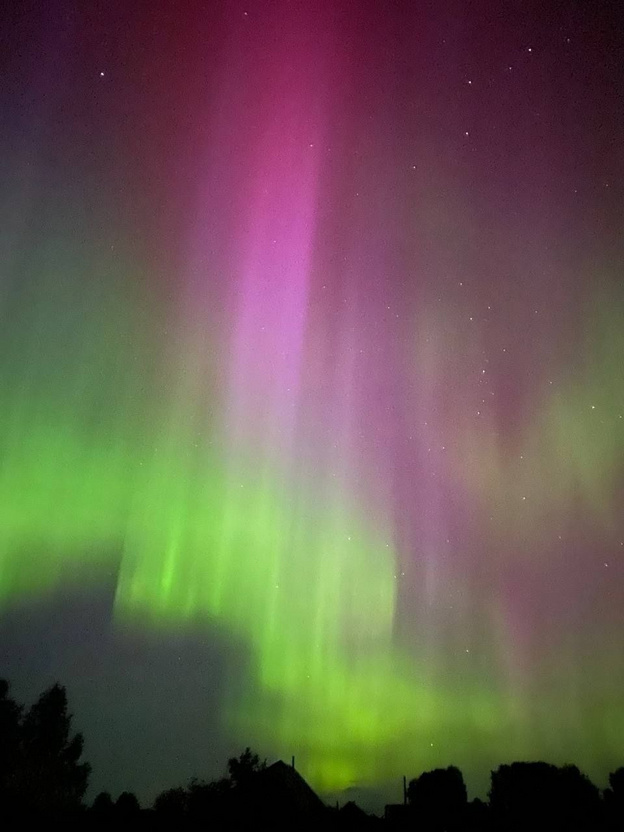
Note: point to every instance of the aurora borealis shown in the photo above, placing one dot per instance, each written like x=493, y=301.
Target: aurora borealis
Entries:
x=312, y=343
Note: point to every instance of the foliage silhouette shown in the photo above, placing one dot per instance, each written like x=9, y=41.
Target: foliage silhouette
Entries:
x=614, y=801
x=477, y=817
x=10, y=719
x=616, y=781
x=542, y=796
x=172, y=803
x=41, y=768
x=241, y=769
x=42, y=775
x=127, y=806
x=103, y=807
x=208, y=800
x=438, y=799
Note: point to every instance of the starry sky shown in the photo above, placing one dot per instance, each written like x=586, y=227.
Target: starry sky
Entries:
x=311, y=386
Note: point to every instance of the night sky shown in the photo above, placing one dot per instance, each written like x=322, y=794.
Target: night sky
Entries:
x=312, y=383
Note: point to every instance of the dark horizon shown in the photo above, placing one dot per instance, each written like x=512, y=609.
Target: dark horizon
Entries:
x=101, y=690
x=44, y=777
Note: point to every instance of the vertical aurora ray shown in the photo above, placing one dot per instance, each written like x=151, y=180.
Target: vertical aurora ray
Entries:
x=238, y=536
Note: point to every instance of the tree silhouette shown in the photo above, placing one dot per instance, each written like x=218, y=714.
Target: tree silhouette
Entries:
x=205, y=800
x=477, y=817
x=172, y=803
x=614, y=800
x=579, y=800
x=42, y=776
x=616, y=781
x=10, y=719
x=103, y=806
x=127, y=806
x=541, y=796
x=438, y=798
x=241, y=769
x=43, y=772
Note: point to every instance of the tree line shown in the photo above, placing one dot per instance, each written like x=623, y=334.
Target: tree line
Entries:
x=42, y=775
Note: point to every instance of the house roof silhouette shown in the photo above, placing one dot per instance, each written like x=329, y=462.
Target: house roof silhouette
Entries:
x=280, y=789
